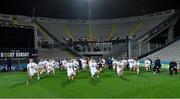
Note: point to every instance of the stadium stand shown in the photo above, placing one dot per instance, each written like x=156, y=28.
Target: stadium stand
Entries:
x=115, y=27
x=52, y=30
x=23, y=20
x=168, y=53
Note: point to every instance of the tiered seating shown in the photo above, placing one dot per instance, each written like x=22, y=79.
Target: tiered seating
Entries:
x=122, y=28
x=168, y=53
x=102, y=29
x=6, y=18
x=24, y=20
x=77, y=29
x=56, y=29
x=148, y=24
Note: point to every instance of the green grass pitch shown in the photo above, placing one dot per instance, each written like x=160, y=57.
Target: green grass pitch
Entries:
x=145, y=85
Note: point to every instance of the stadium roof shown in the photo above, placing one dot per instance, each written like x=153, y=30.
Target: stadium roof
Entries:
x=78, y=9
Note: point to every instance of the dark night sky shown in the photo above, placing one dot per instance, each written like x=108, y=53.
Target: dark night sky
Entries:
x=78, y=9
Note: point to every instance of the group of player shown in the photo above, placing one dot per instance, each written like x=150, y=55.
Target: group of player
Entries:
x=120, y=65
x=42, y=67
x=74, y=65
x=95, y=66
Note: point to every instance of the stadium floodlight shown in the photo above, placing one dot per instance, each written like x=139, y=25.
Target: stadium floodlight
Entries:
x=89, y=0
x=89, y=9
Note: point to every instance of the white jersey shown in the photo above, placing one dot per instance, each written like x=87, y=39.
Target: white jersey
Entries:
x=84, y=63
x=32, y=68
x=137, y=63
x=44, y=64
x=50, y=66
x=120, y=66
x=64, y=62
x=131, y=62
x=93, y=68
x=103, y=62
x=41, y=64
x=56, y=64
x=147, y=62
x=124, y=62
x=70, y=70
x=114, y=63
x=75, y=63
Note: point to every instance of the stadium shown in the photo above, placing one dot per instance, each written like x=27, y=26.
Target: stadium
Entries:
x=89, y=49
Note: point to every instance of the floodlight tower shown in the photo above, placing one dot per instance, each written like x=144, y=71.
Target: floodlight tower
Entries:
x=90, y=34
x=89, y=9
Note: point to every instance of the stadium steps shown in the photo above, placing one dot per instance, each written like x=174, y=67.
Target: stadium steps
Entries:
x=63, y=46
x=135, y=28
x=167, y=52
x=68, y=32
x=15, y=21
x=90, y=32
x=123, y=49
x=43, y=33
x=114, y=29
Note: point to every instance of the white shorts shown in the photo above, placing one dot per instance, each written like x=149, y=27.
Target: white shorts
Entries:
x=49, y=69
x=130, y=66
x=83, y=66
x=119, y=69
x=70, y=73
x=114, y=66
x=93, y=72
x=147, y=65
x=32, y=72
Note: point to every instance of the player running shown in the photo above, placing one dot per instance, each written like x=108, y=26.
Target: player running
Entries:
x=147, y=64
x=93, y=69
x=70, y=70
x=136, y=66
x=32, y=70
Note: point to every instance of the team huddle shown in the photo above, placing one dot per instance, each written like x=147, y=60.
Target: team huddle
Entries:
x=73, y=66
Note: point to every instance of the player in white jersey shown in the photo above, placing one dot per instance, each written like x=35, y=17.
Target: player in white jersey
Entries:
x=42, y=66
x=93, y=69
x=136, y=66
x=51, y=67
x=120, y=68
x=103, y=62
x=100, y=67
x=147, y=64
x=45, y=63
x=114, y=64
x=63, y=66
x=125, y=62
x=70, y=70
x=131, y=63
x=32, y=70
x=84, y=63
x=76, y=65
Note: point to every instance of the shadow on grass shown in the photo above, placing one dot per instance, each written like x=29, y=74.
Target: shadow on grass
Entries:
x=125, y=79
x=82, y=77
x=94, y=82
x=106, y=75
x=143, y=76
x=66, y=83
x=23, y=83
x=18, y=84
